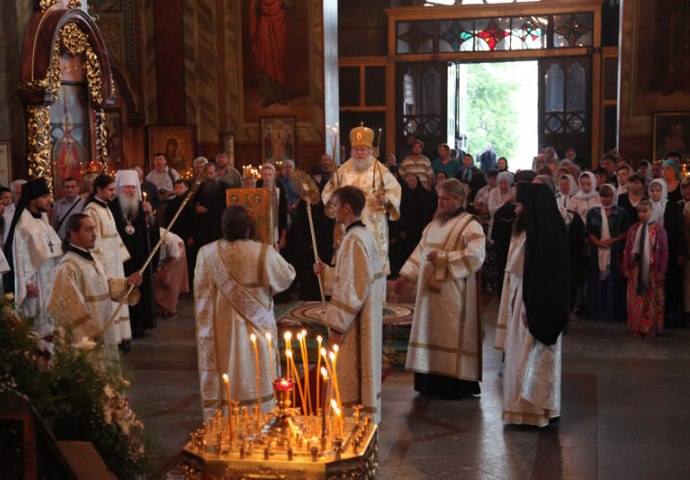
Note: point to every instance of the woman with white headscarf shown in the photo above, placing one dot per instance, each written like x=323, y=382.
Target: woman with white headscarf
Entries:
x=567, y=187
x=670, y=215
x=587, y=197
x=607, y=228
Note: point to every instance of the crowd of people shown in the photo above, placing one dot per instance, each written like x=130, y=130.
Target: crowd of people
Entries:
x=551, y=242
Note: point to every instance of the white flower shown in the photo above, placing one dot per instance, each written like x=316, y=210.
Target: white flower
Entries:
x=85, y=344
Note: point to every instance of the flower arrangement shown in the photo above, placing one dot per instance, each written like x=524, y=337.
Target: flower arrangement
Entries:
x=78, y=390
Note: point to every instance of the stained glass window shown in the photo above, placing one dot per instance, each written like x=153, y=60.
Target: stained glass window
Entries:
x=415, y=37
x=573, y=30
x=529, y=33
x=495, y=33
x=492, y=34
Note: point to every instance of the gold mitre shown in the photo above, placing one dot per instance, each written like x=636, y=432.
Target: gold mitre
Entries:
x=362, y=137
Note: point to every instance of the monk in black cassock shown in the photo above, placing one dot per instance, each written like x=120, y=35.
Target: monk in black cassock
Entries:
x=140, y=233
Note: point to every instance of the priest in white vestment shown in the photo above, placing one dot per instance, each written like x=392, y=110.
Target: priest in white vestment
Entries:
x=33, y=250
x=234, y=283
x=381, y=189
x=109, y=248
x=83, y=294
x=445, y=348
x=354, y=315
x=534, y=309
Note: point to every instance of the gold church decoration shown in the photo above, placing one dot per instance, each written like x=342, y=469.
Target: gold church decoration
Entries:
x=46, y=4
x=71, y=40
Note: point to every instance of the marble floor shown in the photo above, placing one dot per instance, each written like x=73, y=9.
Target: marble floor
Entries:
x=624, y=410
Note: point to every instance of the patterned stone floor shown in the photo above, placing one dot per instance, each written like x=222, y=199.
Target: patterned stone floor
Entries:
x=624, y=413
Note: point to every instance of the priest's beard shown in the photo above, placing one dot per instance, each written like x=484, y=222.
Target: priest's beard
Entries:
x=443, y=217
x=129, y=206
x=362, y=165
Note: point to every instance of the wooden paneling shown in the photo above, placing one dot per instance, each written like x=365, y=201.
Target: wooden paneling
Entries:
x=170, y=69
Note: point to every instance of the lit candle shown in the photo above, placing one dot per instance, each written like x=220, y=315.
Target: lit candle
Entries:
x=299, y=383
x=226, y=380
x=318, y=369
x=302, y=337
x=272, y=361
x=334, y=359
x=288, y=348
x=324, y=409
x=252, y=337
x=145, y=195
x=337, y=418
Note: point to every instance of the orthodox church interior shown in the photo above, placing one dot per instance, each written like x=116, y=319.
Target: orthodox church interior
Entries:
x=123, y=79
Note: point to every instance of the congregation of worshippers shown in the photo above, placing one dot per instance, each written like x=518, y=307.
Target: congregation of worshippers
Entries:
x=553, y=244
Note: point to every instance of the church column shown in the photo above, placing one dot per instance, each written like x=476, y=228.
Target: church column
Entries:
x=170, y=75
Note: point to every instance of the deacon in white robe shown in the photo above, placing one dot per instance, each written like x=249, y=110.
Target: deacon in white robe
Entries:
x=83, y=294
x=109, y=248
x=234, y=283
x=354, y=314
x=445, y=348
x=33, y=250
x=530, y=323
x=381, y=189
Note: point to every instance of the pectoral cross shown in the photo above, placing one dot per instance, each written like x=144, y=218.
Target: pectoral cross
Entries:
x=50, y=245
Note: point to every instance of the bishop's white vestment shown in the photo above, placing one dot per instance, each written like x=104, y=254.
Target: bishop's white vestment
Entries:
x=35, y=252
x=357, y=286
x=532, y=374
x=234, y=284
x=111, y=253
x=373, y=180
x=446, y=337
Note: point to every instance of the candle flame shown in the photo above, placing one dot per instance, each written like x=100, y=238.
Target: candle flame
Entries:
x=268, y=336
x=336, y=348
x=304, y=333
x=299, y=337
x=324, y=373
x=226, y=379
x=331, y=355
x=334, y=404
x=289, y=353
x=323, y=353
x=288, y=336
x=319, y=338
x=252, y=337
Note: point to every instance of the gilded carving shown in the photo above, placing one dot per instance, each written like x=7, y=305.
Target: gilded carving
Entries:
x=39, y=142
x=101, y=138
x=73, y=41
x=46, y=4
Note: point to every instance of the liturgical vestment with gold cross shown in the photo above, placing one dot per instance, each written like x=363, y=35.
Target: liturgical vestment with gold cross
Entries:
x=446, y=331
x=234, y=284
x=357, y=286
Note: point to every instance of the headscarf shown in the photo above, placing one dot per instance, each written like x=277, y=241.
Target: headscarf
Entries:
x=497, y=198
x=673, y=164
x=648, y=173
x=604, y=254
x=642, y=251
x=126, y=178
x=563, y=201
x=658, y=208
x=593, y=193
x=546, y=277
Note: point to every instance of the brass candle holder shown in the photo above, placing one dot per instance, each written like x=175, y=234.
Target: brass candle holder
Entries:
x=284, y=425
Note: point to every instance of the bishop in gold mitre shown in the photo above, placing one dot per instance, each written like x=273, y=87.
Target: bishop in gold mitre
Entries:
x=380, y=187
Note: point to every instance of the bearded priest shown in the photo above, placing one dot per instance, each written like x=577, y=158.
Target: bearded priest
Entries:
x=445, y=349
x=381, y=189
x=139, y=232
